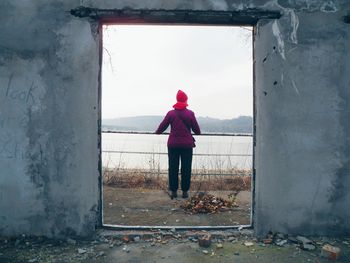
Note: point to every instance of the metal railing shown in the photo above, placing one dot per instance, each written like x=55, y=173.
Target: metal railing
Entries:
x=164, y=153
x=167, y=133
x=194, y=154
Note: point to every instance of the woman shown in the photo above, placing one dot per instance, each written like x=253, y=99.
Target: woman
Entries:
x=180, y=143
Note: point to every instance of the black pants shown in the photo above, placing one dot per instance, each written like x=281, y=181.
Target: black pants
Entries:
x=175, y=154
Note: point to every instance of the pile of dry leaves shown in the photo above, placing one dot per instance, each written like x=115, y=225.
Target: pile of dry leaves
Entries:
x=208, y=204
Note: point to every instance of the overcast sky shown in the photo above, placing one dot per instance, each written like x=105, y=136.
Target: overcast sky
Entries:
x=145, y=66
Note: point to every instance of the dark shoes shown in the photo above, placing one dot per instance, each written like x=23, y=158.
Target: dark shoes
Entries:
x=173, y=194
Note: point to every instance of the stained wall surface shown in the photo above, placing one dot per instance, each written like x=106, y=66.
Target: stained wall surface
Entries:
x=49, y=114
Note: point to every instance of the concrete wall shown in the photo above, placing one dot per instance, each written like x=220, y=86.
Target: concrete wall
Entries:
x=49, y=66
x=48, y=120
x=302, y=157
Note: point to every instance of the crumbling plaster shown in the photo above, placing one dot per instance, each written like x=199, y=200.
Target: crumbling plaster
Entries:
x=49, y=113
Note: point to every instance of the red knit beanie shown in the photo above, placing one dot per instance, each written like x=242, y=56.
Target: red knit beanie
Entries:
x=181, y=98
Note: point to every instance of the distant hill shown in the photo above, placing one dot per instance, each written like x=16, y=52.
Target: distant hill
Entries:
x=242, y=124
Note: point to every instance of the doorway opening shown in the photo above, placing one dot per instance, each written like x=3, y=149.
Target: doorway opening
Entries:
x=143, y=67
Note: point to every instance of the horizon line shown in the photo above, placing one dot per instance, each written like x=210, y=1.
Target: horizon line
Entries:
x=133, y=116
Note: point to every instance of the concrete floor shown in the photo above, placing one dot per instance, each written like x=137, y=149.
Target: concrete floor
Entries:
x=154, y=247
x=191, y=252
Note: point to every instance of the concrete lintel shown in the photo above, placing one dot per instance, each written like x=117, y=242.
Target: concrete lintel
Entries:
x=241, y=17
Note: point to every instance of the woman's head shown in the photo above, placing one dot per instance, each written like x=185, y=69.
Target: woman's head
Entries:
x=181, y=99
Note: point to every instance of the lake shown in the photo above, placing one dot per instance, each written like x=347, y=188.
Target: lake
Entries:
x=143, y=151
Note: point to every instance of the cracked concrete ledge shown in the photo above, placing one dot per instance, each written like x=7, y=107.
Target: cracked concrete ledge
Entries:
x=144, y=235
x=49, y=142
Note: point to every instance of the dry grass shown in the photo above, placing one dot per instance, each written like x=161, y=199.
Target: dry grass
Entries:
x=206, y=180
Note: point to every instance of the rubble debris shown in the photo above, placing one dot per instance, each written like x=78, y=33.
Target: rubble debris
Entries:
x=280, y=236
x=305, y=243
x=100, y=254
x=126, y=239
x=204, y=241
x=82, y=251
x=330, y=252
x=248, y=244
x=97, y=249
x=219, y=245
x=282, y=240
x=308, y=247
x=206, y=203
x=282, y=243
x=303, y=240
x=126, y=249
x=267, y=241
x=193, y=239
x=232, y=239
x=118, y=243
x=293, y=240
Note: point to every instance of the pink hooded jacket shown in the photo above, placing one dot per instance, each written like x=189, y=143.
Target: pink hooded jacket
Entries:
x=180, y=136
